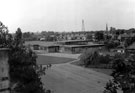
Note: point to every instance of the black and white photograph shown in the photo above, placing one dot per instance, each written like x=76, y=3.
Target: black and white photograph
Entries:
x=67, y=46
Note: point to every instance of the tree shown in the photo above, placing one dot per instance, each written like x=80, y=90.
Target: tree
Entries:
x=89, y=57
x=99, y=36
x=111, y=44
x=89, y=37
x=25, y=74
x=24, y=71
x=123, y=74
x=18, y=37
x=29, y=36
x=4, y=40
x=104, y=59
x=92, y=57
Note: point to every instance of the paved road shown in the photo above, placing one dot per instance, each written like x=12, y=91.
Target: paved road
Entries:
x=67, y=78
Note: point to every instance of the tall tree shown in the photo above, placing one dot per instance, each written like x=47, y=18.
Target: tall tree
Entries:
x=3, y=35
x=18, y=37
x=24, y=71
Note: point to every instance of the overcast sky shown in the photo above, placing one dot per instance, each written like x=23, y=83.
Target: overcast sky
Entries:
x=66, y=15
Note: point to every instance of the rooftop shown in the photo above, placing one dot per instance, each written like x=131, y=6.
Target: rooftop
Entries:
x=74, y=41
x=92, y=45
x=41, y=43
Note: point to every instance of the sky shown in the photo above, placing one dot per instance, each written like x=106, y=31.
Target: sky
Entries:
x=66, y=15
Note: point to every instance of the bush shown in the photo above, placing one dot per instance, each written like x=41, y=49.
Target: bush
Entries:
x=88, y=57
x=123, y=74
x=92, y=57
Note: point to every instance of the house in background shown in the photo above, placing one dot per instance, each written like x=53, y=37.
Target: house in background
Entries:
x=119, y=49
x=131, y=49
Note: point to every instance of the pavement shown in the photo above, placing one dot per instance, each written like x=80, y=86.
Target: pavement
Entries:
x=68, y=78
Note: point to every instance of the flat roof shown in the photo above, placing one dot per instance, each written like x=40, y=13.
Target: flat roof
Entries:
x=41, y=43
x=72, y=41
x=84, y=45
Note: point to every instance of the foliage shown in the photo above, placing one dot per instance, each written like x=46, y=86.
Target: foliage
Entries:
x=88, y=56
x=28, y=36
x=110, y=87
x=104, y=59
x=25, y=74
x=24, y=71
x=124, y=73
x=111, y=44
x=92, y=57
x=4, y=36
x=99, y=36
x=89, y=37
x=129, y=41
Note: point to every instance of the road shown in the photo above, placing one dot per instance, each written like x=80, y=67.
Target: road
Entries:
x=68, y=78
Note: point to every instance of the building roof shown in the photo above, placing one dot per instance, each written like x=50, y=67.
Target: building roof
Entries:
x=41, y=43
x=73, y=41
x=92, y=45
x=132, y=46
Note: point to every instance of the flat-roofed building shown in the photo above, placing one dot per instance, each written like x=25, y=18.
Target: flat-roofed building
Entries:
x=70, y=46
x=78, y=46
x=73, y=42
x=45, y=46
x=49, y=48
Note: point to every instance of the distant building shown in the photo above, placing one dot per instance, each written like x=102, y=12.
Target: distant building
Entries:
x=77, y=46
x=67, y=46
x=47, y=47
x=73, y=42
x=131, y=49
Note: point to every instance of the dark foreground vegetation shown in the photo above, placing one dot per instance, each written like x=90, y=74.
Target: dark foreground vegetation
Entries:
x=25, y=74
x=123, y=66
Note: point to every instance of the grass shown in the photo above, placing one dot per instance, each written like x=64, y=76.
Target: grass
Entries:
x=45, y=60
x=105, y=71
x=98, y=69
